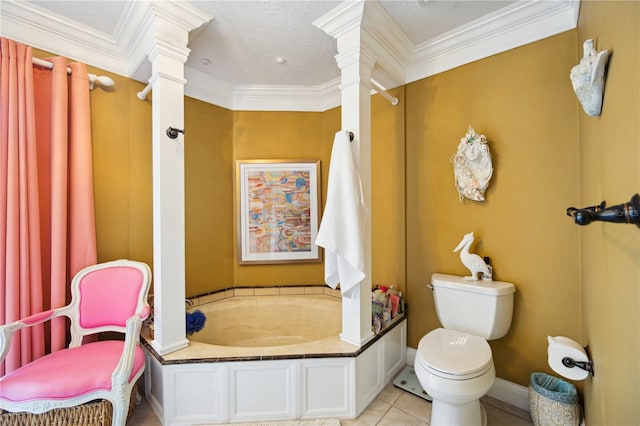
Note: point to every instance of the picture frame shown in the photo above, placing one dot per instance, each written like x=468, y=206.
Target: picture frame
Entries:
x=277, y=204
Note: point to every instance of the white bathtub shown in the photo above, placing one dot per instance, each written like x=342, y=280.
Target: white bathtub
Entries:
x=270, y=358
x=262, y=321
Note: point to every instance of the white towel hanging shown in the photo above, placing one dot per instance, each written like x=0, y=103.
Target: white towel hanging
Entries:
x=342, y=228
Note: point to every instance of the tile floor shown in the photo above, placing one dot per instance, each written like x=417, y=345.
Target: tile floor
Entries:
x=393, y=407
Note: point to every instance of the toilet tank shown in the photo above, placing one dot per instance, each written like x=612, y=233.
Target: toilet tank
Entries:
x=482, y=308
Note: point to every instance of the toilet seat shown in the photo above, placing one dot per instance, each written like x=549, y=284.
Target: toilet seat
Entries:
x=454, y=355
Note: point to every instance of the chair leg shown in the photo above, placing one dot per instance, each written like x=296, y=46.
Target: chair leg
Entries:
x=120, y=410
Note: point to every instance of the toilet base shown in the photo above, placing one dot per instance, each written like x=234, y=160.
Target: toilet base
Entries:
x=468, y=414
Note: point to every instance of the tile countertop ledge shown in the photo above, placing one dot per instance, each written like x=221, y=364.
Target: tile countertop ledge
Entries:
x=197, y=352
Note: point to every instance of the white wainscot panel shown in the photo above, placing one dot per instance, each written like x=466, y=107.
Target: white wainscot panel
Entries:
x=280, y=390
x=327, y=388
x=378, y=365
x=199, y=394
x=153, y=385
x=394, y=351
x=369, y=376
x=264, y=390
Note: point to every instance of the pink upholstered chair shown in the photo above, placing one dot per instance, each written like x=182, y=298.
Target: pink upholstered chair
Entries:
x=110, y=296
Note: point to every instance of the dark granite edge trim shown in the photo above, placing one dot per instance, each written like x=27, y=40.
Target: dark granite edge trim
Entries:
x=396, y=321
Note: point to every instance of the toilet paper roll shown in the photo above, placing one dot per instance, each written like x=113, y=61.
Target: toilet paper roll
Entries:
x=561, y=347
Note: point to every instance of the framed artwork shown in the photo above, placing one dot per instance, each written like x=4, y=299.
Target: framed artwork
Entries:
x=277, y=204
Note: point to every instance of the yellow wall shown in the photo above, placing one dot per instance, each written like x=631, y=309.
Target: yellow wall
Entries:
x=208, y=172
x=388, y=191
x=296, y=135
x=281, y=135
x=522, y=101
x=609, y=147
x=121, y=131
x=214, y=139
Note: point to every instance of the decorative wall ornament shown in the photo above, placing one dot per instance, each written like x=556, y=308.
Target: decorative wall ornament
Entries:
x=472, y=166
x=474, y=263
x=587, y=78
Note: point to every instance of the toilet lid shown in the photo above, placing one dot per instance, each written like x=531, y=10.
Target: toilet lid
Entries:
x=455, y=353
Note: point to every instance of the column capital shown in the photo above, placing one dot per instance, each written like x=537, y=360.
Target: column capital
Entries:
x=355, y=54
x=342, y=19
x=364, y=27
x=159, y=25
x=168, y=49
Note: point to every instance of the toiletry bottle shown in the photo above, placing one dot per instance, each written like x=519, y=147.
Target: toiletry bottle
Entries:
x=402, y=307
x=489, y=276
x=386, y=313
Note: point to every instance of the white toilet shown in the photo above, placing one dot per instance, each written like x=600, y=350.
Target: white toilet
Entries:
x=454, y=364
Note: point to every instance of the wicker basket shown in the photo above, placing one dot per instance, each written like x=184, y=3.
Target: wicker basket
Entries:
x=94, y=413
x=553, y=402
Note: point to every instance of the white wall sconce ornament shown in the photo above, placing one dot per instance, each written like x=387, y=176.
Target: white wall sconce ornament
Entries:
x=472, y=166
x=587, y=78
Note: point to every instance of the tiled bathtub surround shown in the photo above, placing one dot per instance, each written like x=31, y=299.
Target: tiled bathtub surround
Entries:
x=263, y=291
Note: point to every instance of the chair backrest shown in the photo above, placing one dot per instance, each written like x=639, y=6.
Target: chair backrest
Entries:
x=105, y=295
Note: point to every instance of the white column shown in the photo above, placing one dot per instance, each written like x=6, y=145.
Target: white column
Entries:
x=355, y=63
x=168, y=204
x=355, y=87
x=169, y=25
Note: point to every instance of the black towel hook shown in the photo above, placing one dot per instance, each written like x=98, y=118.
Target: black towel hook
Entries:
x=172, y=132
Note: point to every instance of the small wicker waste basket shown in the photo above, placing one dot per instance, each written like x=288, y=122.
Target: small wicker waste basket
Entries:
x=552, y=401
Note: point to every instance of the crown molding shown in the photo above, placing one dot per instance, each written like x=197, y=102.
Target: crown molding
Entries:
x=513, y=26
x=342, y=19
x=151, y=25
x=37, y=27
x=208, y=89
x=261, y=98
x=390, y=46
x=125, y=52
x=133, y=37
x=287, y=98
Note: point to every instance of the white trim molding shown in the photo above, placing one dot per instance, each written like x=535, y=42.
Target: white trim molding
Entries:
x=511, y=393
x=28, y=23
x=287, y=98
x=510, y=27
x=398, y=61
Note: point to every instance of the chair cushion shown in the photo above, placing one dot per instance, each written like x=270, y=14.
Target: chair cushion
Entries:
x=68, y=373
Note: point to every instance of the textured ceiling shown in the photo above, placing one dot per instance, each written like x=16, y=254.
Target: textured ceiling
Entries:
x=245, y=37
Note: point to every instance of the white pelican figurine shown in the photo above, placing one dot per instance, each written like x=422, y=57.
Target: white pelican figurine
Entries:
x=472, y=261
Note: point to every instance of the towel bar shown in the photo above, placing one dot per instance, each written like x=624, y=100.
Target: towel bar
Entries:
x=621, y=213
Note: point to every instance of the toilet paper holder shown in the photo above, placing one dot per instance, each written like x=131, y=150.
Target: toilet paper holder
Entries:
x=584, y=365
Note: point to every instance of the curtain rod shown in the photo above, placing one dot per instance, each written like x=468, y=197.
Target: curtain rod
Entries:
x=103, y=80
x=383, y=93
x=142, y=95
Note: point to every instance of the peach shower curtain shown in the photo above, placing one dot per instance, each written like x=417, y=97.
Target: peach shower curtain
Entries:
x=47, y=224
